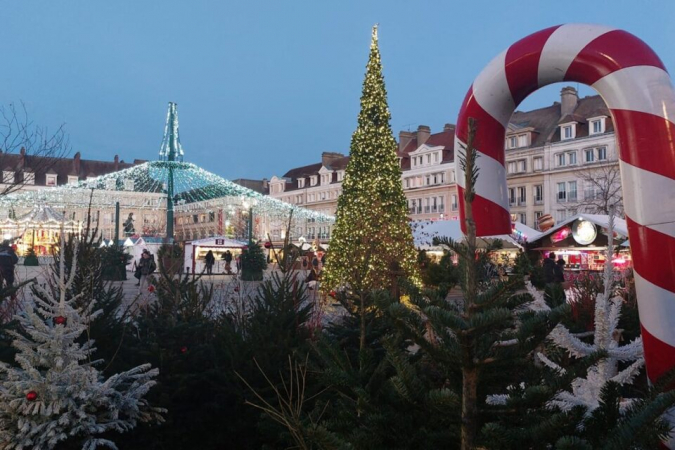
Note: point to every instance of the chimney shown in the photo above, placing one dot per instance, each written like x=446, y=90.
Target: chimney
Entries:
x=117, y=162
x=76, y=162
x=448, y=128
x=568, y=100
x=265, y=184
x=404, y=138
x=423, y=133
x=23, y=151
x=327, y=158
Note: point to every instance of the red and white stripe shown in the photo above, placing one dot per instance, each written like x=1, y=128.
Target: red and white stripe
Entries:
x=634, y=84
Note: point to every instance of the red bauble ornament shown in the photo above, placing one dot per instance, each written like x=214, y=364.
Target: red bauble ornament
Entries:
x=60, y=320
x=268, y=244
x=183, y=349
x=333, y=294
x=151, y=288
x=31, y=396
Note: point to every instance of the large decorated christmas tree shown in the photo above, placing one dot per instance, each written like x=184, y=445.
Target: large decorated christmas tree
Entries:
x=372, y=242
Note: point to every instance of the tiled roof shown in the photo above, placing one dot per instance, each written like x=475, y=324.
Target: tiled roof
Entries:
x=62, y=167
x=546, y=121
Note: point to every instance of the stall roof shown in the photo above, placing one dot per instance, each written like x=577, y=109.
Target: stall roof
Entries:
x=424, y=231
x=222, y=242
x=600, y=220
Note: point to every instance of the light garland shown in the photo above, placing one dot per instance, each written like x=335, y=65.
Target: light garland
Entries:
x=194, y=188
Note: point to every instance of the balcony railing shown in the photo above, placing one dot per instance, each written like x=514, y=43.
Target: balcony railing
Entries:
x=441, y=208
x=426, y=209
x=538, y=201
x=454, y=206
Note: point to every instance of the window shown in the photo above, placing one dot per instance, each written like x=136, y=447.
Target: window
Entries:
x=512, y=167
x=8, y=177
x=602, y=153
x=442, y=177
x=29, y=178
x=522, y=196
x=50, y=179
x=313, y=180
x=301, y=182
x=513, y=142
x=340, y=175
x=560, y=215
x=538, y=194
x=427, y=180
x=522, y=140
x=567, y=132
x=441, y=205
x=407, y=182
x=323, y=196
x=212, y=216
x=523, y=218
x=572, y=158
x=590, y=155
x=512, y=196
x=572, y=191
x=597, y=126
x=426, y=205
x=434, y=204
x=560, y=160
x=538, y=163
x=435, y=157
x=522, y=165
x=435, y=178
x=454, y=202
x=562, y=193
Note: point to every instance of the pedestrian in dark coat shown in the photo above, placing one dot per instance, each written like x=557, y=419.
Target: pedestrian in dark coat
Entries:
x=8, y=260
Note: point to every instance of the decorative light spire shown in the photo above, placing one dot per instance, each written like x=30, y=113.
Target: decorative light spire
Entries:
x=171, y=150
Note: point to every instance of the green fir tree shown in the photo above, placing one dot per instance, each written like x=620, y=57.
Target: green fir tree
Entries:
x=372, y=242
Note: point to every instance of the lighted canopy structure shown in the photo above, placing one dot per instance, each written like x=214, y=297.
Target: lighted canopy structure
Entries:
x=38, y=229
x=636, y=87
x=168, y=185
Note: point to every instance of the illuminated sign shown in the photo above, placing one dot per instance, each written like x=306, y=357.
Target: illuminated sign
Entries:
x=584, y=232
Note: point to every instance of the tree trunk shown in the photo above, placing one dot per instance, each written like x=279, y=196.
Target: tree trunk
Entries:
x=362, y=340
x=469, y=409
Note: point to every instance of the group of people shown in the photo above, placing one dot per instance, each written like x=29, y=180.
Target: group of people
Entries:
x=210, y=261
x=554, y=271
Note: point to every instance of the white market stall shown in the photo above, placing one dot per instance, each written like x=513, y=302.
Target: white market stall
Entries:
x=424, y=232
x=196, y=250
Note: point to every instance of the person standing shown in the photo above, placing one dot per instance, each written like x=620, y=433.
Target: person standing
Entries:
x=559, y=271
x=549, y=268
x=315, y=264
x=8, y=260
x=147, y=266
x=227, y=257
x=210, y=261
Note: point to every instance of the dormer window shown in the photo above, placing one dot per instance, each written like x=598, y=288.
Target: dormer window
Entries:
x=301, y=182
x=340, y=175
x=513, y=142
x=312, y=180
x=73, y=179
x=568, y=131
x=28, y=178
x=8, y=177
x=522, y=140
x=50, y=179
x=325, y=179
x=597, y=125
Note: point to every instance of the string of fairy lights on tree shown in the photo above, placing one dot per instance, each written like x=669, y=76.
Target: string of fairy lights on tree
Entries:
x=371, y=241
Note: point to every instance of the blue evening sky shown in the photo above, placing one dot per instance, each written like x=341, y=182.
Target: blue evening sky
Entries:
x=264, y=86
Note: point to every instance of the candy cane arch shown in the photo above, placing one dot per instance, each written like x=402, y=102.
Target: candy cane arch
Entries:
x=634, y=84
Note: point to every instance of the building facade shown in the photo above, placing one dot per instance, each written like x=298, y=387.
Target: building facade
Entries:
x=560, y=160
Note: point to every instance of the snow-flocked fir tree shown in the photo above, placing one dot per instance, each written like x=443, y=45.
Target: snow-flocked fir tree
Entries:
x=586, y=392
x=372, y=243
x=56, y=393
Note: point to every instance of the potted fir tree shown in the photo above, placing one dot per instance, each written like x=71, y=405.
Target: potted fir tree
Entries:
x=31, y=258
x=253, y=263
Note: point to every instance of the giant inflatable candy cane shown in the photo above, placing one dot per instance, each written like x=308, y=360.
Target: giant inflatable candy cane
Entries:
x=636, y=87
